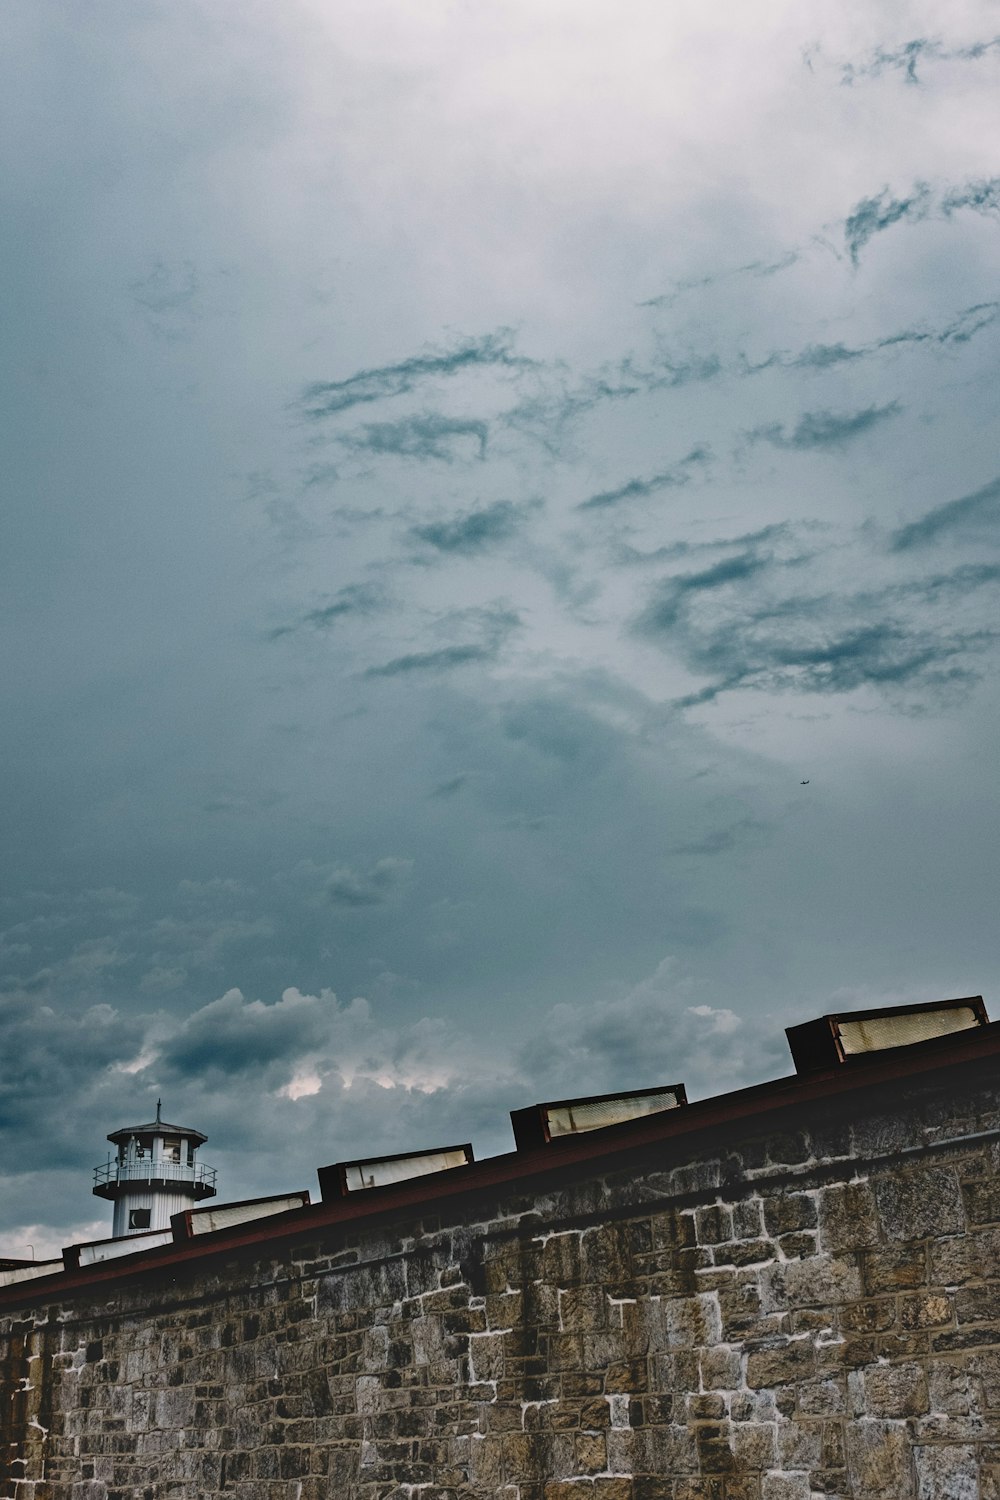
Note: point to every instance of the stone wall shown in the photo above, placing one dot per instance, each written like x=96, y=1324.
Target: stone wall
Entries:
x=803, y=1312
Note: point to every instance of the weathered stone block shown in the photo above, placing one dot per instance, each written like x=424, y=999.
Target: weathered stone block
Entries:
x=787, y=1212
x=895, y=1391
x=713, y=1224
x=720, y=1369
x=591, y=1453
x=982, y=1201
x=926, y=1311
x=797, y=1246
x=825, y=1396
x=947, y=1473
x=787, y=1486
x=588, y=1489
x=918, y=1202
x=978, y=1304
x=755, y=1446
x=784, y=1363
x=748, y=1219
x=879, y=1461
x=824, y=1281
x=848, y=1218
x=893, y=1269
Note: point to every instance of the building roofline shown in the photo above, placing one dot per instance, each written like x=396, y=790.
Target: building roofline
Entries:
x=703, y=1118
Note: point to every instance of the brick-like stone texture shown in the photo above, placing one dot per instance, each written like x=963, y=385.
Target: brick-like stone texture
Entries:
x=780, y=1317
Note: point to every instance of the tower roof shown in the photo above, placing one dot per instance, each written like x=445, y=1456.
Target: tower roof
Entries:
x=157, y=1127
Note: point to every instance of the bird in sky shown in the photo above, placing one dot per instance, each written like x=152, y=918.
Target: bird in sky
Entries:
x=803, y=783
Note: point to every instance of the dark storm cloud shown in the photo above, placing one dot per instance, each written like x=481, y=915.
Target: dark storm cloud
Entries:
x=638, y=489
x=423, y=437
x=970, y=514
x=385, y=381
x=826, y=429
x=44, y=1062
x=355, y=599
x=905, y=59
x=232, y=1035
x=474, y=531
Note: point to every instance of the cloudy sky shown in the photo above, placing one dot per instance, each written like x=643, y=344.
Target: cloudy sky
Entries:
x=467, y=464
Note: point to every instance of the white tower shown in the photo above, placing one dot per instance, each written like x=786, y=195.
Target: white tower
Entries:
x=153, y=1176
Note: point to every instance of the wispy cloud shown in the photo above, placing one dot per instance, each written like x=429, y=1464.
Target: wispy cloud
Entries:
x=326, y=399
x=983, y=196
x=825, y=429
x=639, y=489
x=355, y=599
x=959, y=329
x=736, y=624
x=882, y=655
x=906, y=58
x=666, y=608
x=753, y=268
x=874, y=215
x=442, y=660
x=492, y=625
x=630, y=556
x=473, y=531
x=966, y=514
x=545, y=413
x=430, y=435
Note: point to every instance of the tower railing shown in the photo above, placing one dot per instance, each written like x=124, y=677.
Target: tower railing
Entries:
x=148, y=1170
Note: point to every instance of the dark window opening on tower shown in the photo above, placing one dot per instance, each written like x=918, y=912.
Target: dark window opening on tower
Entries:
x=138, y=1218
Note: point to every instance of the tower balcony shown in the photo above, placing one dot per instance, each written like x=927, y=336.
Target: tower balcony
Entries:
x=114, y=1177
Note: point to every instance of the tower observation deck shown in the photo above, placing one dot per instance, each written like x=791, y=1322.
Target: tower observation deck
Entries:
x=153, y=1175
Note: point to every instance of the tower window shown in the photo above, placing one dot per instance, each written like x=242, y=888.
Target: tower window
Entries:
x=138, y=1218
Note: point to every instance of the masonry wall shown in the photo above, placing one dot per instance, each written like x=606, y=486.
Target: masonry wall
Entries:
x=810, y=1311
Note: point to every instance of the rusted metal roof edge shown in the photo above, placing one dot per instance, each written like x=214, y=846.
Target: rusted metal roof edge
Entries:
x=703, y=1117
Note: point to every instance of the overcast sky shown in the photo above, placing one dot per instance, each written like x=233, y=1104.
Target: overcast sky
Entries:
x=467, y=465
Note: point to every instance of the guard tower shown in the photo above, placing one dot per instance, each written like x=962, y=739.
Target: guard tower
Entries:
x=153, y=1175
